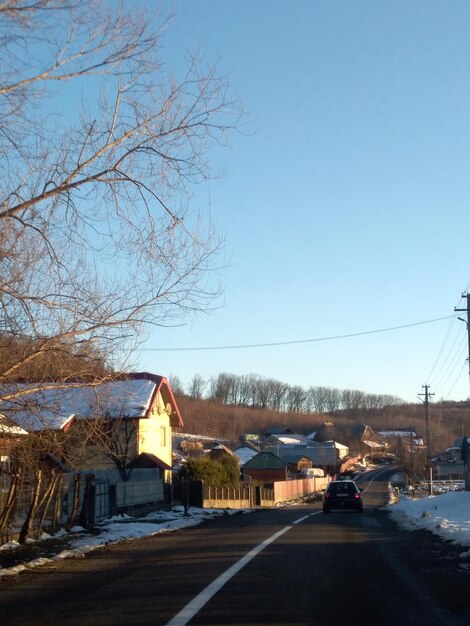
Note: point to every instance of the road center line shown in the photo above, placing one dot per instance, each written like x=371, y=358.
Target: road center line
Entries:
x=375, y=476
x=196, y=604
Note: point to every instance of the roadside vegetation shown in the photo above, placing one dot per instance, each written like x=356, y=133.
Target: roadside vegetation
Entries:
x=221, y=472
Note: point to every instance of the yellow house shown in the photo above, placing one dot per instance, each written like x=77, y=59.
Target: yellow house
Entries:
x=154, y=428
x=122, y=423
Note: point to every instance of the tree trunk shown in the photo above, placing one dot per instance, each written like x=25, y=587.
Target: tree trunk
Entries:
x=11, y=501
x=77, y=480
x=28, y=523
x=87, y=514
x=57, y=510
x=46, y=501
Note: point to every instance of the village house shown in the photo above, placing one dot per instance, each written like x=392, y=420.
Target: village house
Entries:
x=219, y=451
x=274, y=441
x=116, y=435
x=266, y=467
x=137, y=413
x=10, y=435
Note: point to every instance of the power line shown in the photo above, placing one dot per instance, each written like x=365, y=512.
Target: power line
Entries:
x=451, y=367
x=452, y=354
x=456, y=380
x=296, y=341
x=449, y=328
x=467, y=323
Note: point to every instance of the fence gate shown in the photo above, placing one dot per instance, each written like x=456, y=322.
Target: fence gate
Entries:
x=102, y=509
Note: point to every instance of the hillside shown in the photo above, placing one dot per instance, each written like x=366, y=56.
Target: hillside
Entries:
x=448, y=421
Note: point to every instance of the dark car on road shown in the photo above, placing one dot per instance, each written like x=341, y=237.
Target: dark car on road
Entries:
x=342, y=494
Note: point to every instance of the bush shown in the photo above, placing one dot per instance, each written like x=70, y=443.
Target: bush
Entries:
x=214, y=473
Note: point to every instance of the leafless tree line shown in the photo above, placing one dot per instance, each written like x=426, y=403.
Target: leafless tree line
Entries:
x=266, y=393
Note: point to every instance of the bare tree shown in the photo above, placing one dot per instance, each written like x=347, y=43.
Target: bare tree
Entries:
x=352, y=399
x=114, y=439
x=262, y=392
x=100, y=146
x=176, y=385
x=245, y=390
x=296, y=397
x=333, y=400
x=197, y=386
x=222, y=388
x=279, y=392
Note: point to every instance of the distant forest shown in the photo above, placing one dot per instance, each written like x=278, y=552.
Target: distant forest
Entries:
x=257, y=392
x=231, y=405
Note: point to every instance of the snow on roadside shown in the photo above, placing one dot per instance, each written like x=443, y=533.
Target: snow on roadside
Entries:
x=446, y=515
x=116, y=529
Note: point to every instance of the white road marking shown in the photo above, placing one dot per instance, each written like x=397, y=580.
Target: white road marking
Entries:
x=301, y=519
x=375, y=476
x=196, y=604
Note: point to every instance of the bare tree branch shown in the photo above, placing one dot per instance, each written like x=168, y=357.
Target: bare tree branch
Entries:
x=97, y=242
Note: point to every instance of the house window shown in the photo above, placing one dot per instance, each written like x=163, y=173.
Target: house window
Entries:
x=163, y=436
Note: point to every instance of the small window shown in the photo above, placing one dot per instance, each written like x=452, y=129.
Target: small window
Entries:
x=163, y=436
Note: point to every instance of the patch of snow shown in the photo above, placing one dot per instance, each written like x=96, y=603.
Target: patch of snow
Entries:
x=9, y=545
x=120, y=528
x=446, y=515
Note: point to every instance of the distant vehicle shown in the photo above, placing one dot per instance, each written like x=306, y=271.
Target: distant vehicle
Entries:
x=342, y=494
x=313, y=472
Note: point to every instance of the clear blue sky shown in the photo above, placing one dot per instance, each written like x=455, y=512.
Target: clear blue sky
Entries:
x=346, y=209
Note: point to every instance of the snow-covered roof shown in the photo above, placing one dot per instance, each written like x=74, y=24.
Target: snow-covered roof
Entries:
x=289, y=439
x=53, y=406
x=334, y=444
x=9, y=428
x=373, y=444
x=178, y=437
x=396, y=433
x=245, y=454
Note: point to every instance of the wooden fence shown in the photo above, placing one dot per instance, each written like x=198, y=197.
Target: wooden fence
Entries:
x=258, y=496
x=292, y=489
x=236, y=497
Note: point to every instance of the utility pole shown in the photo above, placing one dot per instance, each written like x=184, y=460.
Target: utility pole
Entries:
x=467, y=322
x=412, y=455
x=426, y=395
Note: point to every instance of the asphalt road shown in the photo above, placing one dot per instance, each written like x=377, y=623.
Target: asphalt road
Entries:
x=286, y=566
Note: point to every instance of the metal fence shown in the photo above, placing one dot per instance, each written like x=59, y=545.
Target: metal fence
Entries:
x=139, y=492
x=106, y=499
